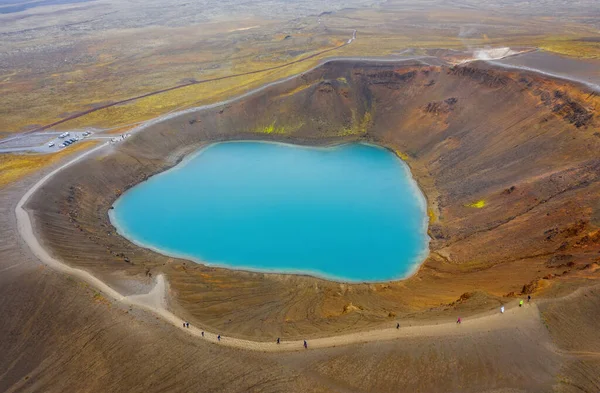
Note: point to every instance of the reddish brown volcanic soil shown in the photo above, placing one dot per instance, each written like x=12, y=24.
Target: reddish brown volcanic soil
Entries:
x=525, y=145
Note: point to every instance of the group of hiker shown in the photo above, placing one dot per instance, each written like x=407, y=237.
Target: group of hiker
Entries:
x=521, y=302
x=305, y=343
x=187, y=326
x=458, y=321
x=528, y=300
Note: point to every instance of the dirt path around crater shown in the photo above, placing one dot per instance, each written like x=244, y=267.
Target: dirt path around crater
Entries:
x=155, y=301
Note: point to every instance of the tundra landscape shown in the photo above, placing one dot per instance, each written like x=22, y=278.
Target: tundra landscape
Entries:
x=493, y=106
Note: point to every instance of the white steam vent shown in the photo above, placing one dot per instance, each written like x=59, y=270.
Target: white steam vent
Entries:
x=493, y=53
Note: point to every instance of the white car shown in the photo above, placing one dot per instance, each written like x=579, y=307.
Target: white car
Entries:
x=51, y=144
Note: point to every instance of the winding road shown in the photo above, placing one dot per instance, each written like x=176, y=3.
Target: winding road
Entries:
x=593, y=86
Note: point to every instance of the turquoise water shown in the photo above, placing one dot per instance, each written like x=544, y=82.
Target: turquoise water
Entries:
x=348, y=213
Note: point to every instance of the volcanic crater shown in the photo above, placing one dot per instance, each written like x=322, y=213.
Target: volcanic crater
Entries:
x=508, y=161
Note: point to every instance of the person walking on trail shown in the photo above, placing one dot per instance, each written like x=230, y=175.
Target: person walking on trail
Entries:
x=502, y=309
x=528, y=298
x=398, y=325
x=305, y=345
x=521, y=303
x=187, y=325
x=277, y=340
x=459, y=321
x=219, y=337
x=202, y=334
x=184, y=324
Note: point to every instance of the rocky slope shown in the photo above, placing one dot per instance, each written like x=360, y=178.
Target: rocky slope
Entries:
x=508, y=162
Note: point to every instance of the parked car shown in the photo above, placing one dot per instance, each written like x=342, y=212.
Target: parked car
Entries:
x=51, y=144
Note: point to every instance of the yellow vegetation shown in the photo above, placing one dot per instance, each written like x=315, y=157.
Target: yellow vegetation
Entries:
x=572, y=47
x=365, y=123
x=271, y=129
x=358, y=126
x=16, y=166
x=296, y=90
x=402, y=156
x=431, y=215
x=478, y=205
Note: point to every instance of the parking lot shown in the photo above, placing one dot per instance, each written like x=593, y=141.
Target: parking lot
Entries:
x=43, y=142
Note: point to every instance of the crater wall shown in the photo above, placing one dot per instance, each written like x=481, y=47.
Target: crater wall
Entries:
x=508, y=161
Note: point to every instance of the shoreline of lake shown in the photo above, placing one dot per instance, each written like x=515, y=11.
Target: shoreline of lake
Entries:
x=410, y=267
